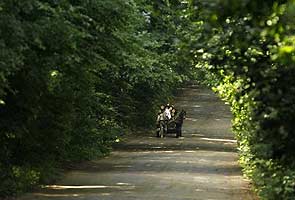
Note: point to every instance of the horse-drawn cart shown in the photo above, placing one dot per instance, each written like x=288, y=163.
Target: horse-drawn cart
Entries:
x=170, y=126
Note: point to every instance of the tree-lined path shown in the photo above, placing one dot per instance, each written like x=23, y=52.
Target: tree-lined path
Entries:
x=201, y=166
x=74, y=75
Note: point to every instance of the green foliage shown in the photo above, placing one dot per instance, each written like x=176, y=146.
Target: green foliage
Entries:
x=74, y=74
x=20, y=178
x=249, y=46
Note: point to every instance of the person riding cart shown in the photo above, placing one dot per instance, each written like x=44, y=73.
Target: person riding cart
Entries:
x=162, y=121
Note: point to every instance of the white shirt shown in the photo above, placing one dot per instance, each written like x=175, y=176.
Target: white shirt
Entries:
x=167, y=113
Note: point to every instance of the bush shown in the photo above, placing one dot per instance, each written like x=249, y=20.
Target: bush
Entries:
x=74, y=74
x=250, y=51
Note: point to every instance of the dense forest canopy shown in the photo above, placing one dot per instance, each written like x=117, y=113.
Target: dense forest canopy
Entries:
x=75, y=74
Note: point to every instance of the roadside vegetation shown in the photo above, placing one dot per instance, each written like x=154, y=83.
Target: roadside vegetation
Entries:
x=76, y=74
x=249, y=49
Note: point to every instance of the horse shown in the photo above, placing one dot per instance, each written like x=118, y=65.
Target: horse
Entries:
x=178, y=122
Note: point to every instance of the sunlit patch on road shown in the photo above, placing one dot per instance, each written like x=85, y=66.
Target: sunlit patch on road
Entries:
x=191, y=119
x=65, y=187
x=197, y=106
x=219, y=140
x=56, y=195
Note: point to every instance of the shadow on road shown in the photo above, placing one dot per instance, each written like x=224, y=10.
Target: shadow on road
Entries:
x=202, y=165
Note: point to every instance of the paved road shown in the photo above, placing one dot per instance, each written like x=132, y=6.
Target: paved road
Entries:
x=200, y=166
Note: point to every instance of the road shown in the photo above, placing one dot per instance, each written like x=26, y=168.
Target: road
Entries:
x=202, y=165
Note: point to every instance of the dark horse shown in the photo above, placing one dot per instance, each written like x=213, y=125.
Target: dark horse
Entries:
x=178, y=123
